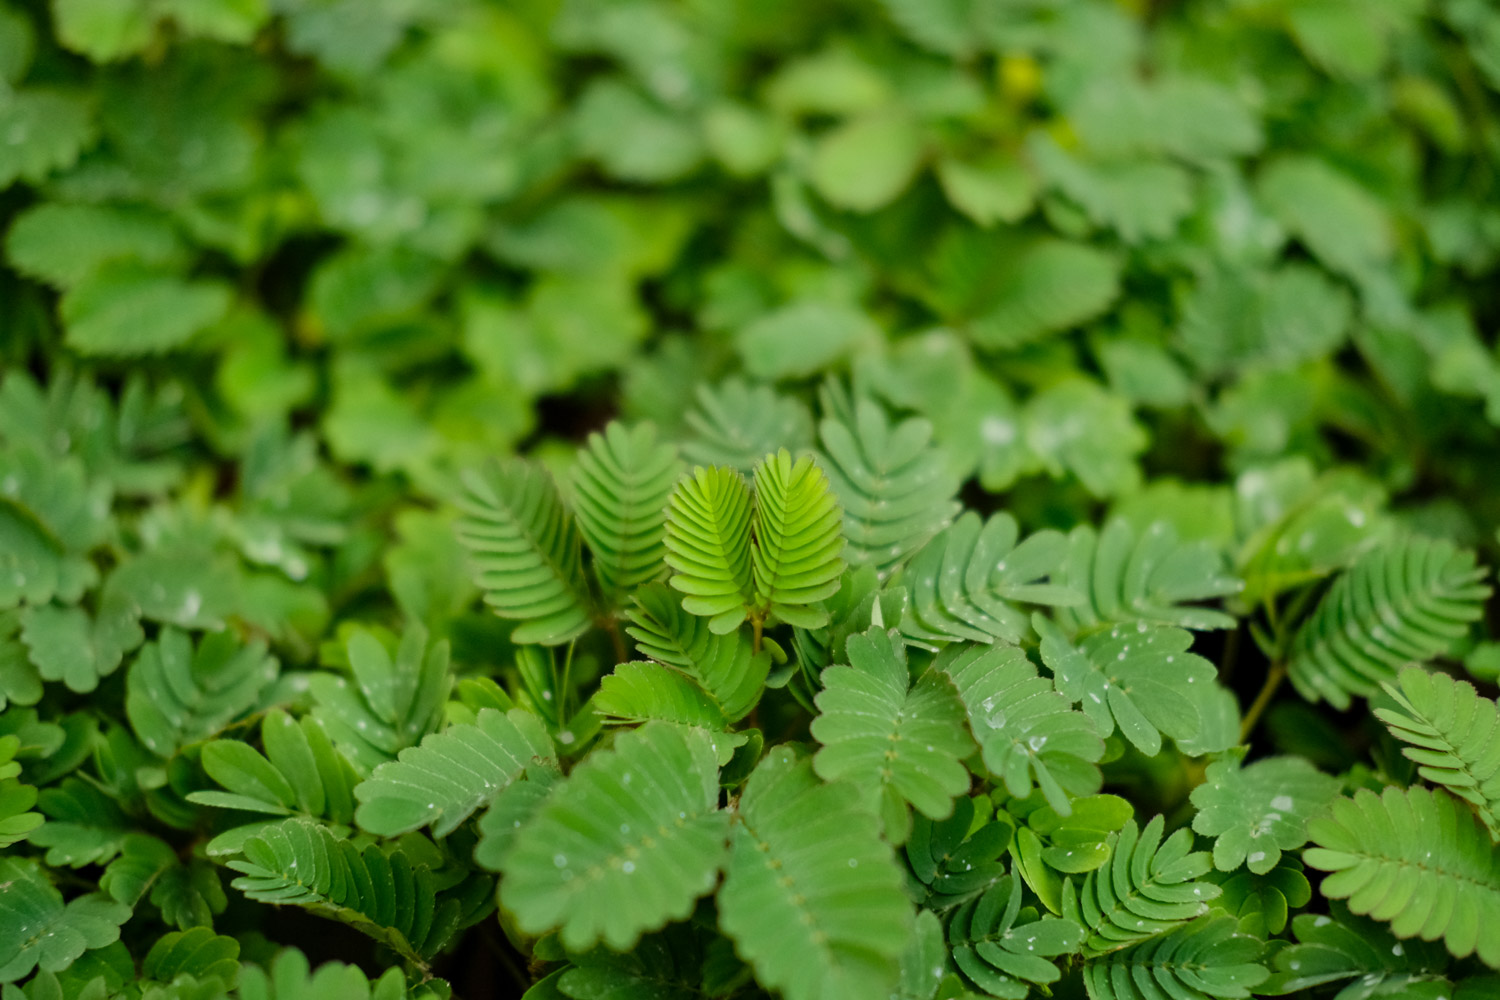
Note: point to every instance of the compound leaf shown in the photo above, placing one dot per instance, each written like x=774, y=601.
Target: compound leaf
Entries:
x=625, y=844
x=708, y=546
x=452, y=774
x=999, y=955
x=1402, y=603
x=526, y=552
x=1415, y=859
x=621, y=484
x=811, y=897
x=40, y=931
x=797, y=557
x=896, y=742
x=1257, y=812
x=724, y=666
x=175, y=695
x=1206, y=960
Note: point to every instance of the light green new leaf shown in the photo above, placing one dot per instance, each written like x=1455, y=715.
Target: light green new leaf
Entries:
x=965, y=583
x=797, y=555
x=626, y=844
x=39, y=931
x=891, y=481
x=708, y=546
x=1454, y=735
x=725, y=666
x=526, y=551
x=1148, y=887
x=452, y=774
x=621, y=484
x=897, y=745
x=1401, y=603
x=1136, y=677
x=1028, y=735
x=1002, y=956
x=175, y=695
x=811, y=896
x=1259, y=811
x=803, y=338
x=1415, y=859
x=63, y=244
x=1206, y=960
x=999, y=190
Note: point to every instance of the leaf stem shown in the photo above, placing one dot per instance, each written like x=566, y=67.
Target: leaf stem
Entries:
x=612, y=626
x=756, y=626
x=1274, y=676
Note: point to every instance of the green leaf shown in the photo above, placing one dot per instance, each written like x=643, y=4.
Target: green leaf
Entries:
x=234, y=21
x=1027, y=734
x=891, y=482
x=1001, y=190
x=1148, y=887
x=1333, y=215
x=724, y=666
x=103, y=30
x=1036, y=288
x=84, y=825
x=1000, y=955
x=1415, y=859
x=866, y=162
x=451, y=775
x=1191, y=117
x=63, y=244
x=638, y=692
x=797, y=556
x=1403, y=603
x=51, y=517
x=40, y=931
x=199, y=953
x=965, y=583
x=811, y=897
x=526, y=551
x=1233, y=320
x=1330, y=949
x=1130, y=575
x=1257, y=812
x=898, y=743
x=288, y=977
x=1204, y=960
x=804, y=338
x=66, y=645
x=632, y=137
x=1137, y=678
x=955, y=859
x=46, y=130
x=124, y=311
x=621, y=484
x=1454, y=735
x=386, y=704
x=659, y=850
x=17, y=822
x=737, y=424
x=1140, y=199
x=1078, y=427
x=708, y=546
x=176, y=695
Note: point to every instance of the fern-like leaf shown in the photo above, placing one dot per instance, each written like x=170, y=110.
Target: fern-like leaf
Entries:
x=452, y=774
x=1027, y=732
x=953, y=861
x=1148, y=887
x=525, y=550
x=1398, y=604
x=17, y=821
x=893, y=484
x=811, y=897
x=1136, y=677
x=42, y=932
x=966, y=582
x=708, y=546
x=1454, y=735
x=738, y=424
x=797, y=557
x=1002, y=956
x=1343, y=946
x=639, y=692
x=1150, y=576
x=627, y=843
x=175, y=695
x=1206, y=960
x=383, y=893
x=725, y=666
x=1415, y=859
x=621, y=484
x=896, y=745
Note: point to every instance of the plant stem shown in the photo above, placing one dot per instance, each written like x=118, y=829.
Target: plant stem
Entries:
x=756, y=626
x=1274, y=676
x=612, y=626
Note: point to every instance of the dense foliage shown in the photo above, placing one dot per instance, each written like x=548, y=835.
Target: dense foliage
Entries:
x=700, y=498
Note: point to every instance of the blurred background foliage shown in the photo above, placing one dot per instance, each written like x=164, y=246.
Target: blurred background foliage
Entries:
x=274, y=269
